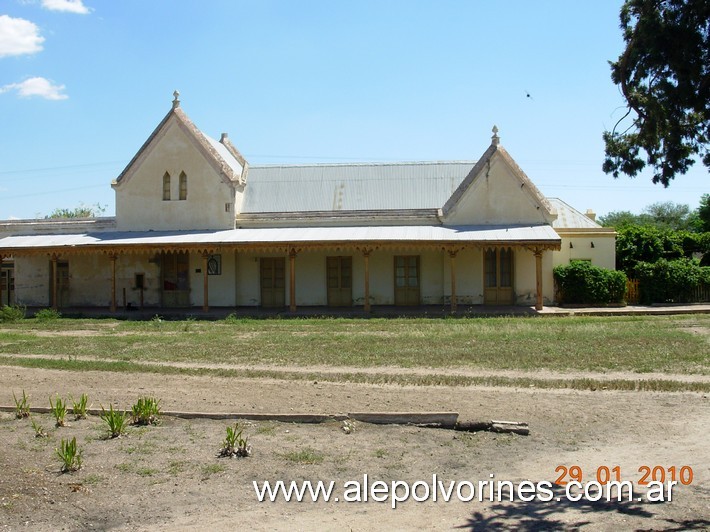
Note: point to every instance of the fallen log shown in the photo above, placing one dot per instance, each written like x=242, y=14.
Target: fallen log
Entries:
x=514, y=427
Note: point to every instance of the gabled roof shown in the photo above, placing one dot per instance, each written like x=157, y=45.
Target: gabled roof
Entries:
x=221, y=155
x=570, y=218
x=496, y=150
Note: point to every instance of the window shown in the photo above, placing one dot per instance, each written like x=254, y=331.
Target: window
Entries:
x=214, y=265
x=506, y=267
x=491, y=268
x=183, y=186
x=166, y=187
x=140, y=281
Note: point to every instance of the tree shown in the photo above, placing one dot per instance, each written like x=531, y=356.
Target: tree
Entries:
x=664, y=77
x=663, y=215
x=620, y=219
x=676, y=216
x=82, y=211
x=704, y=214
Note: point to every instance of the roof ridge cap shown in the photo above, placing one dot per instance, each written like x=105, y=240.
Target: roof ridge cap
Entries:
x=394, y=163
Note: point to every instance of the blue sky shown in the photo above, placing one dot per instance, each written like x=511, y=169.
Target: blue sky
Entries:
x=83, y=83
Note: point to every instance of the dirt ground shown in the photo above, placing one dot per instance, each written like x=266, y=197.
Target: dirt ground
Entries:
x=169, y=477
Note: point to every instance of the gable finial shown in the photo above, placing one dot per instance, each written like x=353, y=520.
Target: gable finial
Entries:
x=176, y=100
x=495, y=139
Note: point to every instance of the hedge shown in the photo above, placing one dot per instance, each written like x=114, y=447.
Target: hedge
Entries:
x=582, y=283
x=671, y=281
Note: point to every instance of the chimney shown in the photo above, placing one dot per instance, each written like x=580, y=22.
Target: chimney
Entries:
x=223, y=137
x=591, y=215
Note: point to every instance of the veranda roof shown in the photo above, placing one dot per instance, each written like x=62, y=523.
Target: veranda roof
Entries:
x=492, y=235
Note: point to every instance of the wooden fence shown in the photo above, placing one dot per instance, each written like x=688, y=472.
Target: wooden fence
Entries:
x=701, y=294
x=633, y=296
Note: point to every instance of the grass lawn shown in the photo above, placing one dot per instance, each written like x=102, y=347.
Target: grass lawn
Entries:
x=672, y=344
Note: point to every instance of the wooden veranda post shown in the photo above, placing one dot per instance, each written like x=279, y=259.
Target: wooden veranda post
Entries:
x=452, y=256
x=292, y=278
x=205, y=282
x=54, y=282
x=113, y=257
x=8, y=281
x=538, y=279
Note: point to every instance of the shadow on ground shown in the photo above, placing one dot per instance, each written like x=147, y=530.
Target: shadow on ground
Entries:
x=538, y=515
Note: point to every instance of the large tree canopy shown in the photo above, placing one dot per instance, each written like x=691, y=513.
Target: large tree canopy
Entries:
x=663, y=75
x=663, y=215
x=704, y=213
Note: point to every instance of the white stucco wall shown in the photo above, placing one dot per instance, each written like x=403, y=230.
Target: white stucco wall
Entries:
x=496, y=197
x=526, y=278
x=221, y=289
x=431, y=277
x=603, y=254
x=469, y=277
x=32, y=281
x=127, y=266
x=139, y=195
x=311, y=286
x=247, y=277
x=89, y=280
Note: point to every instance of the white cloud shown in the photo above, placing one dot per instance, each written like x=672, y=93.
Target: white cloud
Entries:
x=40, y=87
x=67, y=6
x=19, y=36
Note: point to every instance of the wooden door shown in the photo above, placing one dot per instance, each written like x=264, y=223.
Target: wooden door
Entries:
x=176, y=279
x=7, y=282
x=62, y=282
x=273, y=282
x=339, y=272
x=406, y=280
x=498, y=276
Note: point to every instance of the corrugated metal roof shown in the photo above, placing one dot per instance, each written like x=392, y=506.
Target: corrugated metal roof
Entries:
x=224, y=153
x=336, y=187
x=541, y=233
x=570, y=218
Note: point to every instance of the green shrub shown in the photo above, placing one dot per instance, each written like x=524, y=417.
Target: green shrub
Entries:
x=582, y=283
x=48, y=314
x=670, y=281
x=10, y=313
x=639, y=243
